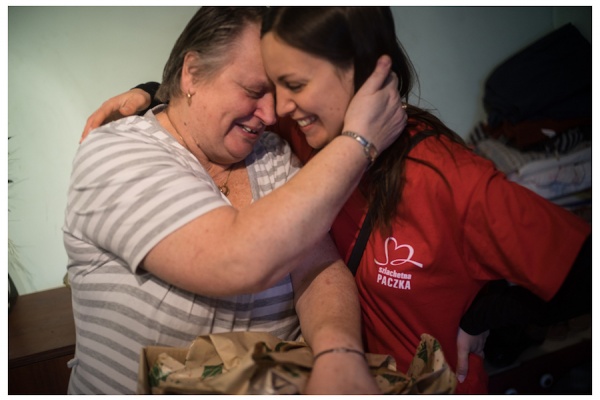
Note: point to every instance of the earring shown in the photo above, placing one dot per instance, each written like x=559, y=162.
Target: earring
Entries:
x=189, y=98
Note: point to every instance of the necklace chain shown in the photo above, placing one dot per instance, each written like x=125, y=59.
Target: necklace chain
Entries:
x=222, y=188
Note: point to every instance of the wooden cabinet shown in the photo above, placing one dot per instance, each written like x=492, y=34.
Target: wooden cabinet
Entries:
x=41, y=340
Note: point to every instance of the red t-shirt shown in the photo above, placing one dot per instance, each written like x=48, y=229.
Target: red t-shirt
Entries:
x=450, y=237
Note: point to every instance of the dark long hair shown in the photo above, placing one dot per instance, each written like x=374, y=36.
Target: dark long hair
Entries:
x=358, y=36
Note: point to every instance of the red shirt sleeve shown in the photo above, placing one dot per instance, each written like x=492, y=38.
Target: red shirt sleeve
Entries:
x=515, y=233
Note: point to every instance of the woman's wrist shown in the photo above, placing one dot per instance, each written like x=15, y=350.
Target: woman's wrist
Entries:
x=339, y=350
x=369, y=149
x=149, y=87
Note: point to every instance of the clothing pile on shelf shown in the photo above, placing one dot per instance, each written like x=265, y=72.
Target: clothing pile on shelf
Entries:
x=559, y=169
x=539, y=118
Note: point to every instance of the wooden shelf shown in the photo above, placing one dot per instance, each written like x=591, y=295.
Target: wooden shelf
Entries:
x=41, y=340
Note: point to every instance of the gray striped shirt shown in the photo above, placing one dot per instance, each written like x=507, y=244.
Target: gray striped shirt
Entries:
x=132, y=184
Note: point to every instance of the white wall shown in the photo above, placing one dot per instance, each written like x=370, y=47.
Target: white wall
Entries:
x=64, y=61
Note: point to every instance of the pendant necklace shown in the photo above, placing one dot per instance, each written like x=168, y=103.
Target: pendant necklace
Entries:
x=222, y=188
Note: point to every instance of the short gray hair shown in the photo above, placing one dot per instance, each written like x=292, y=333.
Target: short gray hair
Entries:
x=210, y=33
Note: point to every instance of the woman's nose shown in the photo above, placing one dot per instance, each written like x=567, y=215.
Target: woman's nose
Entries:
x=266, y=109
x=284, y=104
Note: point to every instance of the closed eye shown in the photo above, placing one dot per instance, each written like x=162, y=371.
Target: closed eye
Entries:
x=294, y=87
x=255, y=94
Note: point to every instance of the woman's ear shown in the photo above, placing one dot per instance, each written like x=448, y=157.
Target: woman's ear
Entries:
x=189, y=72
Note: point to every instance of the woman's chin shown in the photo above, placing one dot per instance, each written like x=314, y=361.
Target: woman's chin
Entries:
x=318, y=139
x=316, y=143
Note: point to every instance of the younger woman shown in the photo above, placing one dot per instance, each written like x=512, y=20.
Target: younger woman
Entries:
x=445, y=220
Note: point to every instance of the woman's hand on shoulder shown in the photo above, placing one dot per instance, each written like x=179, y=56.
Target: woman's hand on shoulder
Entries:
x=375, y=111
x=122, y=105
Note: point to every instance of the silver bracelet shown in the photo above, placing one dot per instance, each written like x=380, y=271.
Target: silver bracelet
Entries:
x=339, y=350
x=368, y=147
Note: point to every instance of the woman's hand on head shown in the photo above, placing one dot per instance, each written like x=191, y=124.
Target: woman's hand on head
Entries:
x=375, y=111
x=122, y=105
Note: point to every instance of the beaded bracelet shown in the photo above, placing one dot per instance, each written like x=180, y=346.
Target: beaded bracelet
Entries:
x=339, y=350
x=368, y=147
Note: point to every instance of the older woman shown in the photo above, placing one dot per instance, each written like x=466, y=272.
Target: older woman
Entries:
x=179, y=224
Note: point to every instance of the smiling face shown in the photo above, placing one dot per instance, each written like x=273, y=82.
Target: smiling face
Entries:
x=310, y=90
x=230, y=110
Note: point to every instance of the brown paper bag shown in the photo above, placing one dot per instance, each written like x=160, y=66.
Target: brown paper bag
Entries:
x=259, y=363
